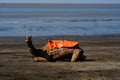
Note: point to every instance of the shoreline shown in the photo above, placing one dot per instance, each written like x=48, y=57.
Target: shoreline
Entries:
x=61, y=37
x=96, y=35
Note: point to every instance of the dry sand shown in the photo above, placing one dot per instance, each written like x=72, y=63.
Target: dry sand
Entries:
x=102, y=63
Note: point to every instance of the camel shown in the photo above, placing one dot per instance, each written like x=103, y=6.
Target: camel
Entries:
x=44, y=53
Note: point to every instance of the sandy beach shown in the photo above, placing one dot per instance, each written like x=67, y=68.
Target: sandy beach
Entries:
x=102, y=62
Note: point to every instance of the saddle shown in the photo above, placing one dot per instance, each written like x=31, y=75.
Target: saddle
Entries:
x=57, y=44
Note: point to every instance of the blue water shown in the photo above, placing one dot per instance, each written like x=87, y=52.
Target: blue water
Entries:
x=3, y=10
x=59, y=21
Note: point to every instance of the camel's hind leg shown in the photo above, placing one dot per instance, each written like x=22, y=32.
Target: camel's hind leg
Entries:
x=78, y=55
x=75, y=55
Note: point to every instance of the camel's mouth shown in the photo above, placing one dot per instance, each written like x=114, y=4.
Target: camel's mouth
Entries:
x=26, y=41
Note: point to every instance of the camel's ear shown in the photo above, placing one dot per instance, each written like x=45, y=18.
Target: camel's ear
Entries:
x=30, y=36
x=26, y=37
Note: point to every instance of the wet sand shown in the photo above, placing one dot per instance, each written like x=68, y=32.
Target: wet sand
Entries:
x=102, y=63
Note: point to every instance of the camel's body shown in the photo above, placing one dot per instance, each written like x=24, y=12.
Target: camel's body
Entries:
x=45, y=54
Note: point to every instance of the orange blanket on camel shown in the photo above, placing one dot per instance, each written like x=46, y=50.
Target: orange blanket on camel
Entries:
x=56, y=44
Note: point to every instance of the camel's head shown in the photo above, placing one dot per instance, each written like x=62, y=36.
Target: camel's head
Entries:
x=28, y=39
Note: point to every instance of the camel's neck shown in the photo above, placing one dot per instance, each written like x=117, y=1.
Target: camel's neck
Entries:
x=30, y=45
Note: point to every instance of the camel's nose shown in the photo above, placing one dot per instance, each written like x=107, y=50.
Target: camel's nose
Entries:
x=26, y=38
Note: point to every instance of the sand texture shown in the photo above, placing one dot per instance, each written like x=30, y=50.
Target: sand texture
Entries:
x=102, y=63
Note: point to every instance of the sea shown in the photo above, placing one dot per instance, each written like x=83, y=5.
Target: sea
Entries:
x=20, y=19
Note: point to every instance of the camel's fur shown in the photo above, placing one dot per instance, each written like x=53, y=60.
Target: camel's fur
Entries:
x=44, y=54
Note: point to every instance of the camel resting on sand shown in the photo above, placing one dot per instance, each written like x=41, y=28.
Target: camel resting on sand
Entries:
x=51, y=53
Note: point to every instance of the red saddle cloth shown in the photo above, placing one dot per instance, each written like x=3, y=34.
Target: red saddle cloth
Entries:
x=56, y=44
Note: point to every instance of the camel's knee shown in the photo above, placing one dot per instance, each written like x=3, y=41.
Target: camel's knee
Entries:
x=81, y=52
x=81, y=55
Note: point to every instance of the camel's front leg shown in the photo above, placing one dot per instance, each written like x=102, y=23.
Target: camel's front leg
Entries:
x=39, y=59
